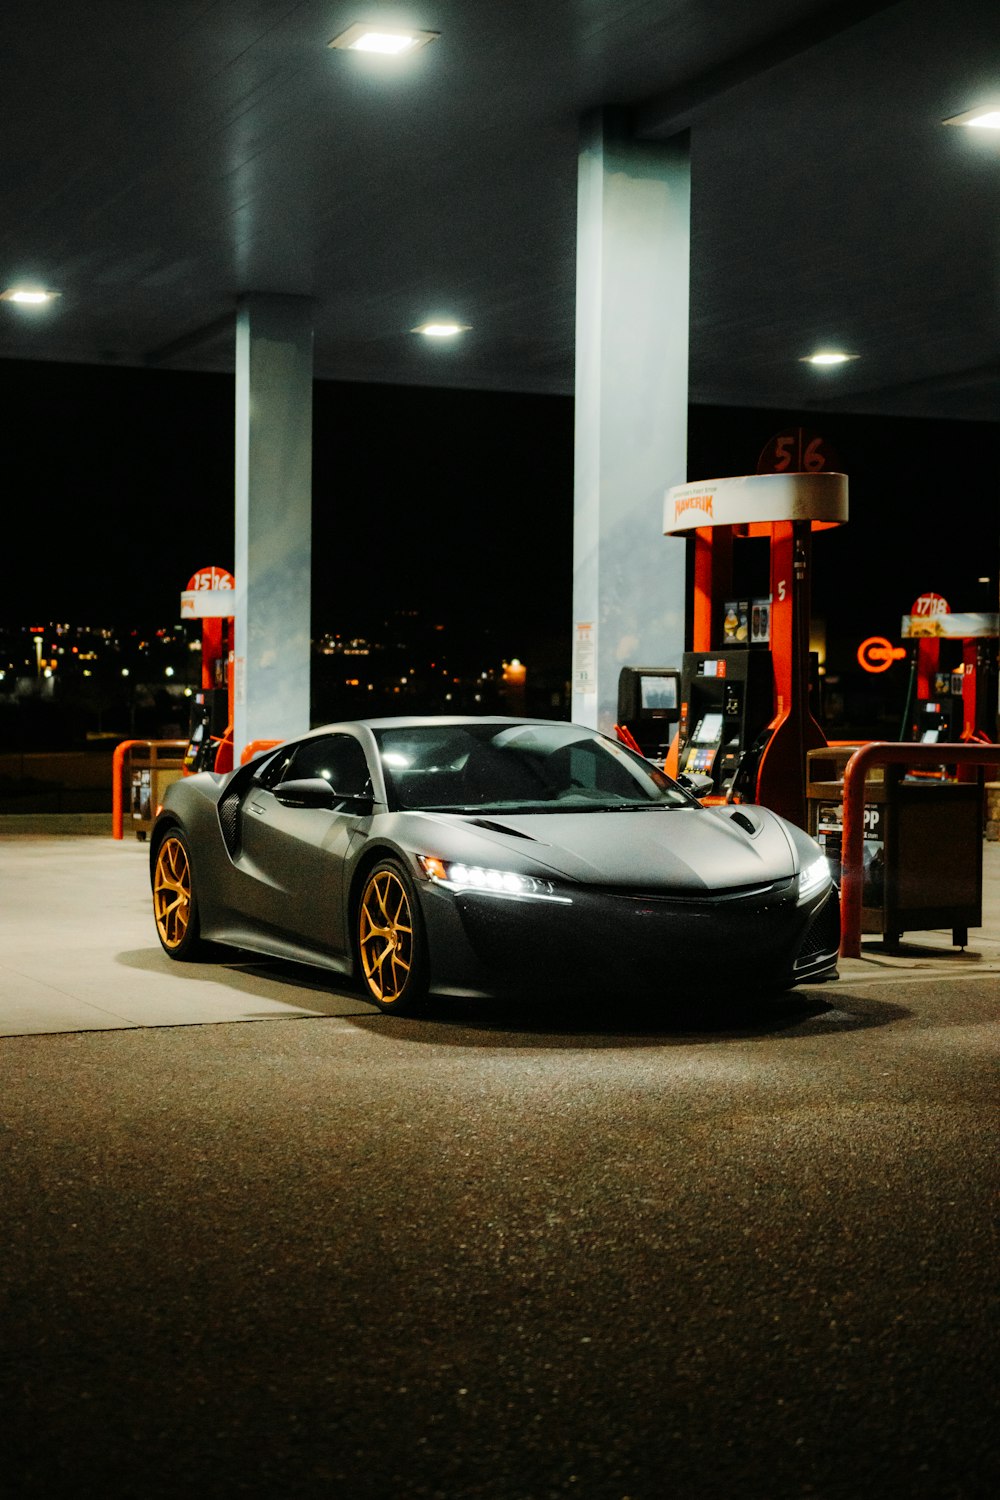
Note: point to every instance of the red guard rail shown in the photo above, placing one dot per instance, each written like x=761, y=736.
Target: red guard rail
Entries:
x=117, y=762
x=884, y=753
x=255, y=747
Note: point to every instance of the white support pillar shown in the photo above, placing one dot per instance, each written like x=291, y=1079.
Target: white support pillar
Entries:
x=274, y=372
x=633, y=238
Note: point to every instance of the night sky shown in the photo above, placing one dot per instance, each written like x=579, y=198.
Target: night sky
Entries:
x=455, y=503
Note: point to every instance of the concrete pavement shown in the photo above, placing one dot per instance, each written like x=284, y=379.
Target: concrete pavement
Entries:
x=497, y=1254
x=78, y=950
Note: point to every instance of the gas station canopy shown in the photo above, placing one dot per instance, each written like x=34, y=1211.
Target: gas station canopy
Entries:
x=160, y=160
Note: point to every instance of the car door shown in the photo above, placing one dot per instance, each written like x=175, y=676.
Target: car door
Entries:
x=293, y=858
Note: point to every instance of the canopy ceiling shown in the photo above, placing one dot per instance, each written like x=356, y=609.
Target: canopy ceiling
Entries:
x=159, y=157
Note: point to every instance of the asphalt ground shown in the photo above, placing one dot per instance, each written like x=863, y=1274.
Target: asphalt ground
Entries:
x=637, y=1250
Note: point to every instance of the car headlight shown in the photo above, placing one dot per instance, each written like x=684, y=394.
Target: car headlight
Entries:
x=454, y=875
x=814, y=877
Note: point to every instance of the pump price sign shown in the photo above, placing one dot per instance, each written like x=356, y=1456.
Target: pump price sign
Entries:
x=797, y=451
x=210, y=578
x=929, y=605
x=209, y=595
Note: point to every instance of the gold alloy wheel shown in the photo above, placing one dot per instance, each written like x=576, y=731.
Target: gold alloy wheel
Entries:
x=386, y=936
x=172, y=892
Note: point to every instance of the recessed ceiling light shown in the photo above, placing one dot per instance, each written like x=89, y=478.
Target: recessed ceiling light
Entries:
x=827, y=357
x=985, y=117
x=441, y=330
x=379, y=39
x=28, y=296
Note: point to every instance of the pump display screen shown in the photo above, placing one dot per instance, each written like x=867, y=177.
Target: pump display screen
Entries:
x=657, y=692
x=708, y=731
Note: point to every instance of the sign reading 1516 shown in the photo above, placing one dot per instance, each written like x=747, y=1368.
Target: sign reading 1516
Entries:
x=210, y=578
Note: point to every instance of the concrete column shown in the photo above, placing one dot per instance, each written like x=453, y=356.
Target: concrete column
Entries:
x=274, y=372
x=633, y=239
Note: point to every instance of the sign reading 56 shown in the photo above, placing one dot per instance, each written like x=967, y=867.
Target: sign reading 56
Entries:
x=796, y=451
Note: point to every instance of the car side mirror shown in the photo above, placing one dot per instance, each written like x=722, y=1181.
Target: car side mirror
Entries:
x=307, y=791
x=316, y=791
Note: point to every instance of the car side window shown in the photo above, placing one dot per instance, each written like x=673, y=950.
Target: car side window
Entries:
x=274, y=770
x=337, y=758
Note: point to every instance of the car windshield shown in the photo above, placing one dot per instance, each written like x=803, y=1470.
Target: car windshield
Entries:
x=530, y=767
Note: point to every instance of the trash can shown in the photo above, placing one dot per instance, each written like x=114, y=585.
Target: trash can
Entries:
x=149, y=774
x=923, y=845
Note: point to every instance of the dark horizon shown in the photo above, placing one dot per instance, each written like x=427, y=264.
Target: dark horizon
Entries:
x=453, y=503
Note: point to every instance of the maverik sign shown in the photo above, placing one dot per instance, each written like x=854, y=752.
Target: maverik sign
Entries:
x=754, y=500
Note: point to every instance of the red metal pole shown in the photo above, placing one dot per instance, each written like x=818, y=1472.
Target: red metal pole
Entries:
x=255, y=747
x=713, y=582
x=882, y=753
x=117, y=761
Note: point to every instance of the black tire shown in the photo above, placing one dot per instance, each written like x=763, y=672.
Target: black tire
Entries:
x=175, y=903
x=390, y=944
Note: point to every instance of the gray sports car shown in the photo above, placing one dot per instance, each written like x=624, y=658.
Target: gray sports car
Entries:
x=484, y=856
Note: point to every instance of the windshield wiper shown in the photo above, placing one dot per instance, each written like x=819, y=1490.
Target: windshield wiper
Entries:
x=487, y=809
x=601, y=807
x=648, y=807
x=519, y=809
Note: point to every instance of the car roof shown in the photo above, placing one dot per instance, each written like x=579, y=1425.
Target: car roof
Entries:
x=428, y=721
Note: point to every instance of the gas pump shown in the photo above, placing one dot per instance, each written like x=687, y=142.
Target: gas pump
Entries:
x=953, y=673
x=745, y=716
x=649, y=700
x=209, y=597
x=727, y=701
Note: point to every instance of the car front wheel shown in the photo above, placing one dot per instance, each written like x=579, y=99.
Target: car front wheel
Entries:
x=391, y=947
x=175, y=906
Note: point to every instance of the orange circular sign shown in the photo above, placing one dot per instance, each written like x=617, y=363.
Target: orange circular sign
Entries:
x=210, y=578
x=876, y=654
x=929, y=605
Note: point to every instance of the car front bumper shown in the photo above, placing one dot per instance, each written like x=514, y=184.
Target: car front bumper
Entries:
x=676, y=946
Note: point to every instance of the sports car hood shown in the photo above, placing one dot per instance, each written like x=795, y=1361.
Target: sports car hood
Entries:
x=656, y=849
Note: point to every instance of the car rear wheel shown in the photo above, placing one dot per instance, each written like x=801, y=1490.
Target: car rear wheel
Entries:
x=175, y=906
x=391, y=947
